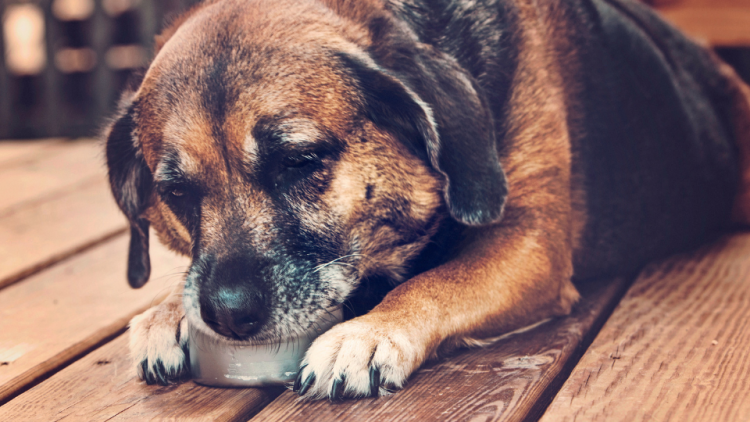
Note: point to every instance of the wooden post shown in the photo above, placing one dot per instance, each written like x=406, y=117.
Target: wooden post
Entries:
x=102, y=76
x=50, y=122
x=4, y=94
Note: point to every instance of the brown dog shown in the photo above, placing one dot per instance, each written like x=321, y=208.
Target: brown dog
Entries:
x=476, y=155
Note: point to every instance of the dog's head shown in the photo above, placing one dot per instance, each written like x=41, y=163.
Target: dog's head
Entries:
x=292, y=150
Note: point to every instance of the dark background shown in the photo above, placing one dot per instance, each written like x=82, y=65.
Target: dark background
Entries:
x=89, y=48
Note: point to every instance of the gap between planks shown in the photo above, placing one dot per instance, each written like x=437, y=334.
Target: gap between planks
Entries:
x=502, y=382
x=54, y=203
x=47, y=171
x=103, y=387
x=36, y=237
x=677, y=347
x=65, y=311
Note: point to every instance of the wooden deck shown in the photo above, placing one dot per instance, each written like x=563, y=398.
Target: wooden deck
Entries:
x=716, y=22
x=673, y=345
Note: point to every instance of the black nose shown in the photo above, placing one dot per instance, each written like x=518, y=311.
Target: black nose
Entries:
x=234, y=312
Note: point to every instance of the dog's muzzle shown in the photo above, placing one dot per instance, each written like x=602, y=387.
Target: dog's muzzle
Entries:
x=232, y=302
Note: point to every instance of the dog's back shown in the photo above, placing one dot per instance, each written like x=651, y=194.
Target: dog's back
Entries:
x=651, y=116
x=654, y=139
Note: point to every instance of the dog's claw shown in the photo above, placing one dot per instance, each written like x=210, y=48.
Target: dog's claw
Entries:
x=374, y=381
x=160, y=373
x=298, y=380
x=309, y=381
x=337, y=388
x=157, y=373
x=186, y=365
x=145, y=373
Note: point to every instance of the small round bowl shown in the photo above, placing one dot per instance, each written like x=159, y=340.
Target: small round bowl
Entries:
x=246, y=364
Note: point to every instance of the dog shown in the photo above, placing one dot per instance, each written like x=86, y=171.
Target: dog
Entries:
x=445, y=167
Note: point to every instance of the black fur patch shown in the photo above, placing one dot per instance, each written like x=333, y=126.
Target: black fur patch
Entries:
x=462, y=146
x=654, y=145
x=131, y=183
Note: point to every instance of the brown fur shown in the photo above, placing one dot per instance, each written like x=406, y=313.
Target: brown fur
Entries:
x=503, y=277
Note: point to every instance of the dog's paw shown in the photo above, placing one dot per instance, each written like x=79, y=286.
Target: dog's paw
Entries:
x=158, y=344
x=359, y=358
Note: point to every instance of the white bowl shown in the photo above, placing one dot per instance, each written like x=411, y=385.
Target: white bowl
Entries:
x=246, y=364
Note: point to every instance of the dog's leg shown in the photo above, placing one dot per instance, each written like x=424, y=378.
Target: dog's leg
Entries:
x=517, y=275
x=510, y=275
x=158, y=341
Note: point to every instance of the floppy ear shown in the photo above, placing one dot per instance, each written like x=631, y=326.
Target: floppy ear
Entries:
x=451, y=128
x=131, y=183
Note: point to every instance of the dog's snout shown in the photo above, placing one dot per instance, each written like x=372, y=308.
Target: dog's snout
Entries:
x=234, y=312
x=232, y=299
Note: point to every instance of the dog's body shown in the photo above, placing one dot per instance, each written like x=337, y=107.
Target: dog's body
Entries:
x=478, y=155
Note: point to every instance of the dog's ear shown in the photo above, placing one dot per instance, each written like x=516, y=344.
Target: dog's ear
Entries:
x=451, y=128
x=131, y=182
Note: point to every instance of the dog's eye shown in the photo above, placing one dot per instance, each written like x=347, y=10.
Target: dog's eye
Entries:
x=298, y=161
x=177, y=192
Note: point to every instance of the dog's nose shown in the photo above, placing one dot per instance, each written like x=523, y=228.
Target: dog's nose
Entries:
x=234, y=312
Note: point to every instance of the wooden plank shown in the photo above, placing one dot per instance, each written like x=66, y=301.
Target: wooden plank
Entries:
x=61, y=167
x=502, y=382
x=36, y=236
x=103, y=387
x=699, y=3
x=727, y=26
x=61, y=313
x=12, y=150
x=5, y=98
x=675, y=349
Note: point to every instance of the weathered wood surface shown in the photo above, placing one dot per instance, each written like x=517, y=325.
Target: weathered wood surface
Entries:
x=103, y=387
x=16, y=150
x=502, y=382
x=35, y=236
x=675, y=349
x=714, y=22
x=717, y=26
x=58, y=314
x=54, y=202
x=51, y=170
x=698, y=3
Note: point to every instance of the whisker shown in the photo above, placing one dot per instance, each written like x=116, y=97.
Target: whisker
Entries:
x=322, y=266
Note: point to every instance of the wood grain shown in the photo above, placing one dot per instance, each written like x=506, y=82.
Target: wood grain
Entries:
x=103, y=387
x=699, y=3
x=502, y=382
x=40, y=234
x=15, y=150
x=675, y=349
x=714, y=22
x=727, y=26
x=57, y=315
x=58, y=169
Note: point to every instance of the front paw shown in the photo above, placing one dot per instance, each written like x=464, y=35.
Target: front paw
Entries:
x=158, y=344
x=359, y=358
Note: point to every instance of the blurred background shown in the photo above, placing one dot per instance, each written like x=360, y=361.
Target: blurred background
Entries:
x=63, y=62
